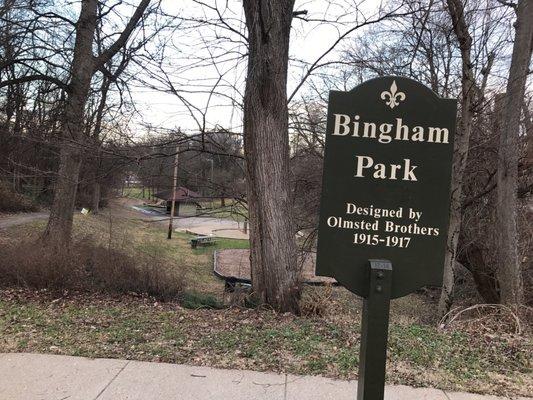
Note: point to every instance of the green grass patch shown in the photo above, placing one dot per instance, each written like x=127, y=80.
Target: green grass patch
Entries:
x=195, y=301
x=136, y=193
x=221, y=244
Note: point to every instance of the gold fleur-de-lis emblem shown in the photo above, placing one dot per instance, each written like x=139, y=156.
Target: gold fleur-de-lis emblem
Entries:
x=392, y=96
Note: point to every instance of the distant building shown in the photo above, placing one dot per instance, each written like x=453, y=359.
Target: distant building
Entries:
x=187, y=201
x=132, y=181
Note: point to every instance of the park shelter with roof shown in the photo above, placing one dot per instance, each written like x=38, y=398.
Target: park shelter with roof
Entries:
x=187, y=202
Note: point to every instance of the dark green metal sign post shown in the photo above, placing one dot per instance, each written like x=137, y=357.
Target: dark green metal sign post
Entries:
x=374, y=332
x=385, y=202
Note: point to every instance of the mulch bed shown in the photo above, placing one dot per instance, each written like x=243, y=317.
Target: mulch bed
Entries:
x=234, y=264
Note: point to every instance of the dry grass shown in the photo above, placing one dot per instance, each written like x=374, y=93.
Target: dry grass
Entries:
x=32, y=264
x=316, y=301
x=118, y=271
x=490, y=318
x=86, y=266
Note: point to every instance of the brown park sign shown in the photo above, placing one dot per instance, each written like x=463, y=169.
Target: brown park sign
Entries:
x=386, y=184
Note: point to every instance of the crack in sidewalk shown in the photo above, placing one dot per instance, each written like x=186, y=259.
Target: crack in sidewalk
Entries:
x=112, y=380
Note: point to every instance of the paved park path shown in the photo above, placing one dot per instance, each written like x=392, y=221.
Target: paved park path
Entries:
x=211, y=226
x=51, y=377
x=220, y=227
x=7, y=220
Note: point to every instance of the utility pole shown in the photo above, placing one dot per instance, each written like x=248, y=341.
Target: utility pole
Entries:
x=174, y=185
x=212, y=162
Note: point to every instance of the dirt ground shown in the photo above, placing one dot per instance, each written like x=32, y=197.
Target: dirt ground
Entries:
x=235, y=263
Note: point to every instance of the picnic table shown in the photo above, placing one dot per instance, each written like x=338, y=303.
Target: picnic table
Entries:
x=203, y=241
x=233, y=266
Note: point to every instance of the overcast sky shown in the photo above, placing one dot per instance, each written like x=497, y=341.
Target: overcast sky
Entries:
x=309, y=40
x=196, y=58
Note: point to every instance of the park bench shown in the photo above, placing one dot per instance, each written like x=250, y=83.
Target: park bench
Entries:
x=202, y=241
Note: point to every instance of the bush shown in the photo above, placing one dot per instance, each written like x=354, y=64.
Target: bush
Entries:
x=11, y=201
x=116, y=271
x=316, y=300
x=34, y=265
x=86, y=266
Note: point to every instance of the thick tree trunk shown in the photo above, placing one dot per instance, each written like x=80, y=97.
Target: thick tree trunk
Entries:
x=485, y=280
x=461, y=145
x=275, y=274
x=509, y=265
x=529, y=135
x=59, y=226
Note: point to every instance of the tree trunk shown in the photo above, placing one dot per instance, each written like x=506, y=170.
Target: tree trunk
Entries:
x=96, y=171
x=59, y=226
x=461, y=145
x=529, y=135
x=509, y=265
x=96, y=197
x=275, y=274
x=96, y=191
x=486, y=283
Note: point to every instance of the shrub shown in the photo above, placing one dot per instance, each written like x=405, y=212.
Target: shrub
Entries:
x=35, y=265
x=11, y=201
x=117, y=271
x=316, y=300
x=86, y=266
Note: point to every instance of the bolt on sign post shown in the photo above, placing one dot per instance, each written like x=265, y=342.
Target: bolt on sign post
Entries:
x=385, y=202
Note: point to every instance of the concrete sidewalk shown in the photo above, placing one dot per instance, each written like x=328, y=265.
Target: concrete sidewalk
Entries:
x=50, y=377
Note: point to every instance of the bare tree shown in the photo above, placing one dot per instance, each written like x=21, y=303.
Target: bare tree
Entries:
x=509, y=263
x=456, y=57
x=461, y=144
x=83, y=67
